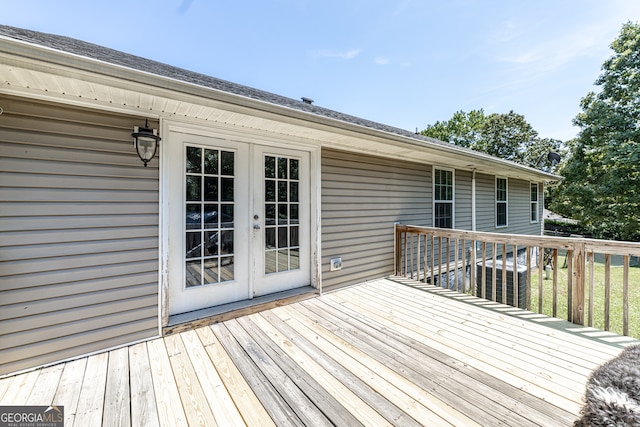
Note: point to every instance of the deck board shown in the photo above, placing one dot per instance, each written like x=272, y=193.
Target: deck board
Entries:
x=336, y=381
x=168, y=401
x=310, y=382
x=143, y=404
x=117, y=393
x=194, y=401
x=217, y=396
x=420, y=366
x=245, y=401
x=390, y=412
x=266, y=393
x=280, y=380
x=481, y=347
x=50, y=376
x=408, y=396
x=488, y=398
x=68, y=389
x=92, y=394
x=20, y=390
x=387, y=352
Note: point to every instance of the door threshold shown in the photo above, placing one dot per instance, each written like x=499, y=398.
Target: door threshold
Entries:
x=208, y=316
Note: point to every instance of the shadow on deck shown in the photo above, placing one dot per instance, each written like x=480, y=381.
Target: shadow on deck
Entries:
x=386, y=352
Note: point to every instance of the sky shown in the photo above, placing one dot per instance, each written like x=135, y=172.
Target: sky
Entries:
x=404, y=63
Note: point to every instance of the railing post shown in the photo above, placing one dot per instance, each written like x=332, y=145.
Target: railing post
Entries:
x=579, y=279
x=397, y=248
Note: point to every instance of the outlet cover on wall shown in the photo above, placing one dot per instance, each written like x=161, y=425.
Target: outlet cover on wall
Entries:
x=336, y=264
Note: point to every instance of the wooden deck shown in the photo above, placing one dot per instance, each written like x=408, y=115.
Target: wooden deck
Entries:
x=380, y=353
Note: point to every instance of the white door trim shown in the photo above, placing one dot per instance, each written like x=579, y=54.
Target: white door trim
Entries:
x=217, y=130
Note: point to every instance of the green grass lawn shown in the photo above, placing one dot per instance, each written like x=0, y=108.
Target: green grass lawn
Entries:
x=616, y=305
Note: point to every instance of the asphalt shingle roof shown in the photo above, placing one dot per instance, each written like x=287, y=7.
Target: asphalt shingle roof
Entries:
x=101, y=53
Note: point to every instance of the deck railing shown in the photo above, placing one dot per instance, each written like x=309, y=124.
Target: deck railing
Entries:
x=571, y=275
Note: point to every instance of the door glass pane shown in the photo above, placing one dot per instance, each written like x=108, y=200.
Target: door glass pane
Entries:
x=282, y=191
x=227, y=189
x=227, y=266
x=193, y=187
x=270, y=238
x=283, y=260
x=270, y=167
x=226, y=221
x=209, y=224
x=211, y=243
x=226, y=242
x=282, y=214
x=227, y=160
x=270, y=262
x=270, y=191
x=293, y=169
x=283, y=242
x=282, y=168
x=194, y=160
x=211, y=188
x=294, y=259
x=282, y=185
x=210, y=272
x=193, y=217
x=293, y=192
x=210, y=216
x=293, y=236
x=210, y=161
x=194, y=245
x=270, y=214
x=193, y=273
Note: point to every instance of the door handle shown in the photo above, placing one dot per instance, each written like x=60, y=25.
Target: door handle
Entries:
x=256, y=226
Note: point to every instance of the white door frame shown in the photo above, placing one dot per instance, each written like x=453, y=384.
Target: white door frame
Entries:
x=221, y=131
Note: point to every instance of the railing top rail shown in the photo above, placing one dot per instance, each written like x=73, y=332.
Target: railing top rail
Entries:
x=590, y=245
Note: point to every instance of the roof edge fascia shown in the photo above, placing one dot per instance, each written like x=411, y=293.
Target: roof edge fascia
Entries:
x=45, y=55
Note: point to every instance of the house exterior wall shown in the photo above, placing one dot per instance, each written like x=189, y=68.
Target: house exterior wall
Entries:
x=519, y=219
x=362, y=197
x=463, y=200
x=78, y=234
x=79, y=227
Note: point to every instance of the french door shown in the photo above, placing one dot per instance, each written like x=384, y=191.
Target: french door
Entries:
x=281, y=220
x=238, y=221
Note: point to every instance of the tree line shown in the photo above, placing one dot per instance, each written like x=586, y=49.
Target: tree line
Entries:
x=600, y=168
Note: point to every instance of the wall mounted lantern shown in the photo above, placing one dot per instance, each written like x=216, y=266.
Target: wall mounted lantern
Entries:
x=145, y=140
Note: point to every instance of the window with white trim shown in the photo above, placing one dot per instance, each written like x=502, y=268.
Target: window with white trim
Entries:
x=443, y=200
x=502, y=213
x=534, y=202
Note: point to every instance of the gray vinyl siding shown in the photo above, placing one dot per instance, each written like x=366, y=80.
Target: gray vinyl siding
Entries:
x=519, y=216
x=362, y=197
x=463, y=200
x=78, y=234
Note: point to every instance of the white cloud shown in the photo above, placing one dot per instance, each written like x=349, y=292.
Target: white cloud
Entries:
x=508, y=32
x=344, y=54
x=558, y=51
x=381, y=60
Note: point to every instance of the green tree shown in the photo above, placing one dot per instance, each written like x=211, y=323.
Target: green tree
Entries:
x=462, y=129
x=508, y=136
x=601, y=184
